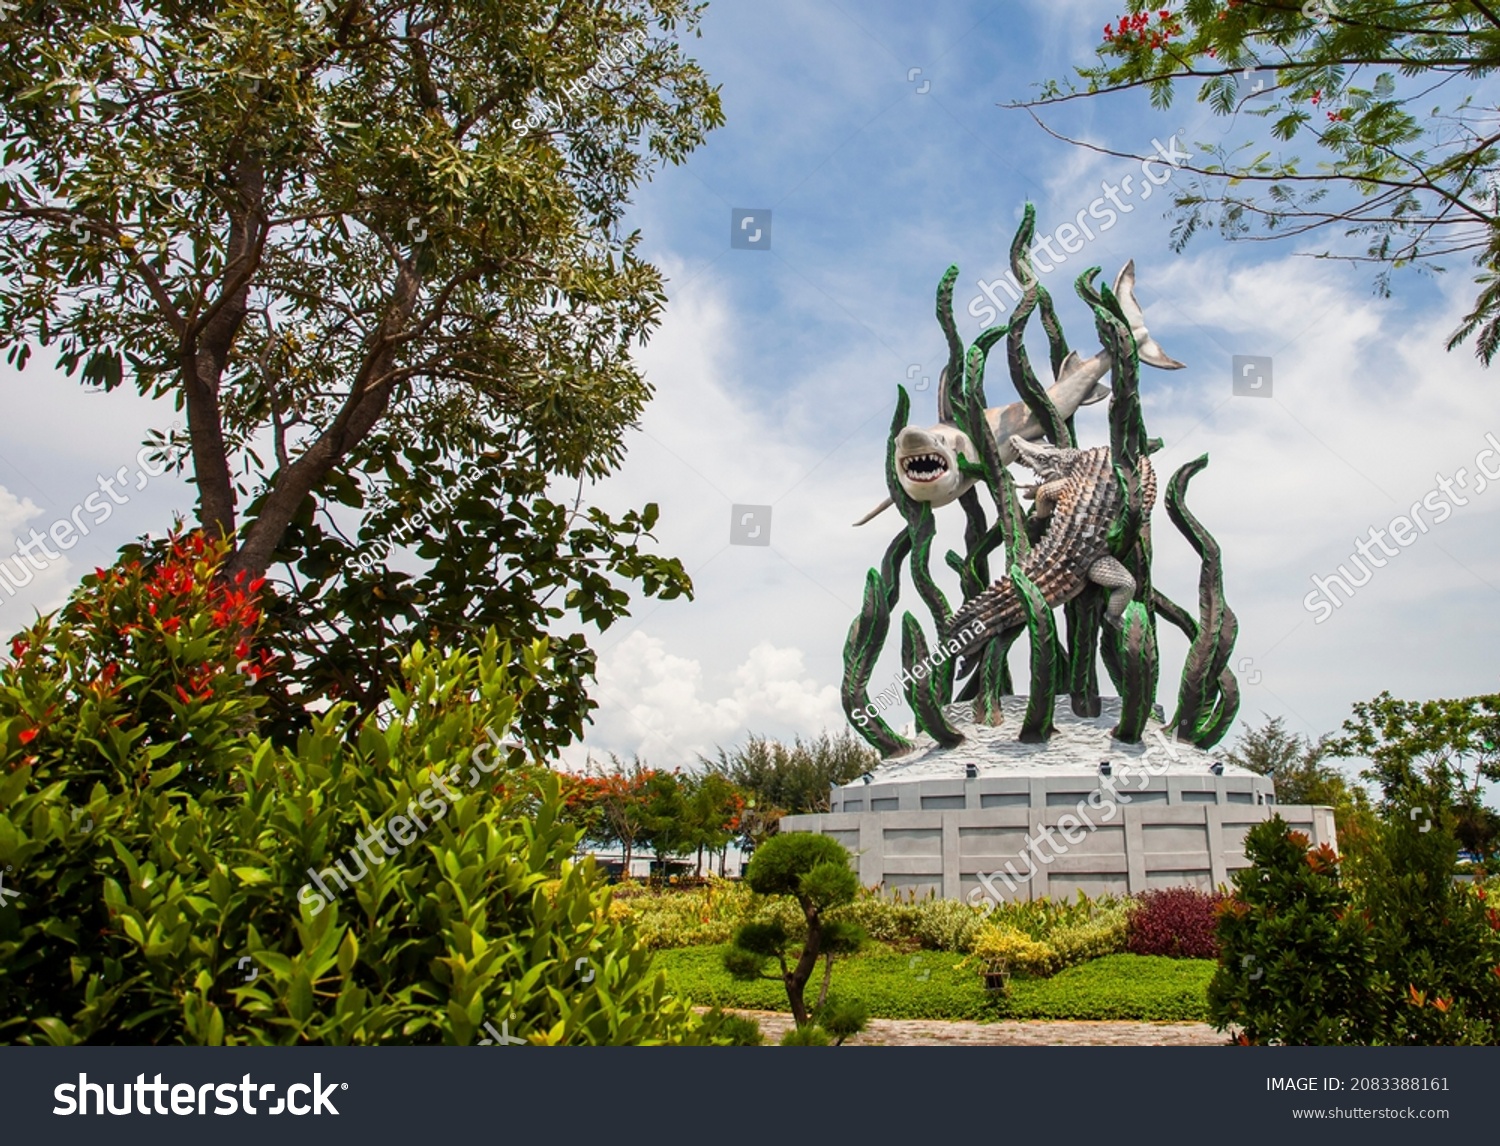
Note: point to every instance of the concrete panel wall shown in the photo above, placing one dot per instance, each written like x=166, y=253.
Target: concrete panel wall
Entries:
x=946, y=852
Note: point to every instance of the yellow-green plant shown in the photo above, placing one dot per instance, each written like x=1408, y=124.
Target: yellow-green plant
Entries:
x=1005, y=950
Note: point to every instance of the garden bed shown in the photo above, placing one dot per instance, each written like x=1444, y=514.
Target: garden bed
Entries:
x=927, y=985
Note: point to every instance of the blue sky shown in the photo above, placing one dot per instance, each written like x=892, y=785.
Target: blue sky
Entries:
x=776, y=372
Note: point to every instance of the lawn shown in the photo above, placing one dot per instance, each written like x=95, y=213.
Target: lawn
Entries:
x=927, y=986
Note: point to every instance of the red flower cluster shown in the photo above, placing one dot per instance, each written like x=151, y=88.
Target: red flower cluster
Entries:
x=1136, y=30
x=136, y=603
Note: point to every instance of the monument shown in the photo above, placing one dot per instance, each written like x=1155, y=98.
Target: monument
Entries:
x=1001, y=795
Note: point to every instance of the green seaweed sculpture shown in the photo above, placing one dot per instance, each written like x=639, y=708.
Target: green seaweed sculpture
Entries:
x=970, y=447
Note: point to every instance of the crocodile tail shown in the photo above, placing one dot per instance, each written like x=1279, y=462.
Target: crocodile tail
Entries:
x=986, y=616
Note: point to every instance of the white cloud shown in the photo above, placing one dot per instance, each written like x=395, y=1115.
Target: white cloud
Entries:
x=659, y=704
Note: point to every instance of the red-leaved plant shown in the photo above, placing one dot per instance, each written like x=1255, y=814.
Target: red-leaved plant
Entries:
x=1174, y=921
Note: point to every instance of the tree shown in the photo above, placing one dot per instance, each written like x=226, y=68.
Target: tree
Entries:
x=614, y=803
x=793, y=779
x=1388, y=94
x=375, y=255
x=814, y=870
x=716, y=807
x=1437, y=753
x=1296, y=765
x=667, y=817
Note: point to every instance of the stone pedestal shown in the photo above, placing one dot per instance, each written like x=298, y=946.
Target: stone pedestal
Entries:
x=1081, y=812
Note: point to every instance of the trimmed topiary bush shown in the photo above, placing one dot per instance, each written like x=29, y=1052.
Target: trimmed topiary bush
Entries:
x=812, y=871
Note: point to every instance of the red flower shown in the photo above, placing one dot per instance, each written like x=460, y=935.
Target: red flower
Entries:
x=28, y=735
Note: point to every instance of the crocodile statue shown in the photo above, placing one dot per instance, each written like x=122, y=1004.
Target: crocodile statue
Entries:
x=927, y=459
x=1076, y=492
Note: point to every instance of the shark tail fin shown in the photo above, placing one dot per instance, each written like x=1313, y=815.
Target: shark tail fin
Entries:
x=1148, y=348
x=876, y=512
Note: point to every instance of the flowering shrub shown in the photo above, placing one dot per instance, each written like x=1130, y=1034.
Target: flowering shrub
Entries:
x=1174, y=921
x=1402, y=956
x=154, y=843
x=154, y=657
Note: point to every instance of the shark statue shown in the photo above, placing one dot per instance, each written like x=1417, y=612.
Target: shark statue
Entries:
x=927, y=460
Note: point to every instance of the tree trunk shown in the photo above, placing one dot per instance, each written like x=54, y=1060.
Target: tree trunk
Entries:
x=369, y=396
x=796, y=979
x=827, y=978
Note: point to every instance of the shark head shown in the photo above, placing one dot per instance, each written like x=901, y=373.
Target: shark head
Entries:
x=927, y=462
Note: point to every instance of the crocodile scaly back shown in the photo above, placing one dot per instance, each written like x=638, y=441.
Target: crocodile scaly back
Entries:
x=1088, y=502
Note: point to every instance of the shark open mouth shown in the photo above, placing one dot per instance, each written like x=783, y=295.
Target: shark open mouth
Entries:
x=924, y=467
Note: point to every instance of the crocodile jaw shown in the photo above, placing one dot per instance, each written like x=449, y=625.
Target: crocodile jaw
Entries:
x=927, y=463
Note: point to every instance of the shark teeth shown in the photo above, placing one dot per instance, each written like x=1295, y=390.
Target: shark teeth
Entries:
x=924, y=467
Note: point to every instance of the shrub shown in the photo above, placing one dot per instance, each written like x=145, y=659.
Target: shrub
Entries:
x=931, y=923
x=1081, y=940
x=1436, y=942
x=1009, y=950
x=945, y=924
x=843, y=1019
x=158, y=844
x=728, y=1029
x=808, y=1036
x=1174, y=921
x=1400, y=956
x=698, y=917
x=1296, y=964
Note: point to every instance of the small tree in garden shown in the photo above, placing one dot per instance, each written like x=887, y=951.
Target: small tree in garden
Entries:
x=716, y=806
x=814, y=870
x=613, y=805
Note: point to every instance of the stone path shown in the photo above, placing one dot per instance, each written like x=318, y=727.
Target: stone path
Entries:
x=1010, y=1033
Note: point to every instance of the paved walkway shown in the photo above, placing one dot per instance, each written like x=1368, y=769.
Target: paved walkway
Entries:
x=1010, y=1033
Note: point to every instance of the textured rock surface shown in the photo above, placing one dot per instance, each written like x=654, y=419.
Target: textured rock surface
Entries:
x=1078, y=745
